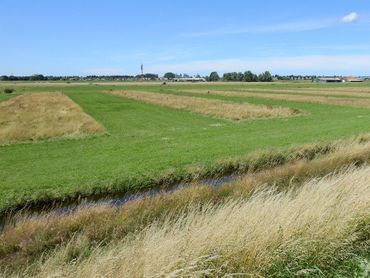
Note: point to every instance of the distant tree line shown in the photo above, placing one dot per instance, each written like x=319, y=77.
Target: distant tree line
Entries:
x=247, y=76
x=40, y=77
x=148, y=76
x=172, y=75
x=296, y=77
x=169, y=75
x=36, y=77
x=108, y=77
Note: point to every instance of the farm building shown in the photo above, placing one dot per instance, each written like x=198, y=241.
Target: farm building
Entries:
x=338, y=79
x=329, y=79
x=190, y=79
x=352, y=79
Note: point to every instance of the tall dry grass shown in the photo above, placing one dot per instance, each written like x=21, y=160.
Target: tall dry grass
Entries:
x=29, y=237
x=35, y=116
x=312, y=227
x=339, y=88
x=357, y=102
x=216, y=108
x=296, y=172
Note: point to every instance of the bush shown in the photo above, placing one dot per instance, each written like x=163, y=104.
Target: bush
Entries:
x=214, y=77
x=8, y=91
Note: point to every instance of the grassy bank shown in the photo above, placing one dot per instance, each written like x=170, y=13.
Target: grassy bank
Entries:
x=26, y=240
x=253, y=162
x=316, y=230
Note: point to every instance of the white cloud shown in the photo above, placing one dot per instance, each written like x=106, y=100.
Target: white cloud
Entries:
x=310, y=64
x=349, y=18
x=104, y=71
x=294, y=26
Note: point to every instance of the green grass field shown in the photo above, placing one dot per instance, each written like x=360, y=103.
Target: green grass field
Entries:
x=146, y=142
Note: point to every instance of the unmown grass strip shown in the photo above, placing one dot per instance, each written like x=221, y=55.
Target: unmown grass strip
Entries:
x=36, y=116
x=311, y=91
x=211, y=107
x=357, y=102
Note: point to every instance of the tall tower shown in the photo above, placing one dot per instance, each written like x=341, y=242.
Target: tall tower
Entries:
x=142, y=70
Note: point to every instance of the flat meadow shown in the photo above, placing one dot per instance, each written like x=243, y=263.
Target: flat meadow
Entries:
x=148, y=144
x=298, y=205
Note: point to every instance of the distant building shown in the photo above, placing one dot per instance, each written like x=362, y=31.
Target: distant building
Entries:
x=339, y=79
x=190, y=79
x=351, y=79
x=365, y=78
x=329, y=79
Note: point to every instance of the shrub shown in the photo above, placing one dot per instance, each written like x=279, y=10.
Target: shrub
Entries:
x=8, y=91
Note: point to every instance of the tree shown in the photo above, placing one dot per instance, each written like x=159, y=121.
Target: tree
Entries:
x=151, y=76
x=250, y=76
x=226, y=77
x=37, y=77
x=239, y=76
x=169, y=75
x=265, y=77
x=233, y=76
x=214, y=76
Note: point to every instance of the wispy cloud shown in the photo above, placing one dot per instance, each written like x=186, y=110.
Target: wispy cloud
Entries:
x=315, y=64
x=349, y=18
x=104, y=71
x=155, y=56
x=294, y=26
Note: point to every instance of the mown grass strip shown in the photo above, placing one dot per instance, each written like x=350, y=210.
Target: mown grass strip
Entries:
x=211, y=107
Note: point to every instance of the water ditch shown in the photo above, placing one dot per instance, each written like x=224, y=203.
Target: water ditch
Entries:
x=114, y=200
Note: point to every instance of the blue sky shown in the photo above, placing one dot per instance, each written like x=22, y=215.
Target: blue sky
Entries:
x=114, y=37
